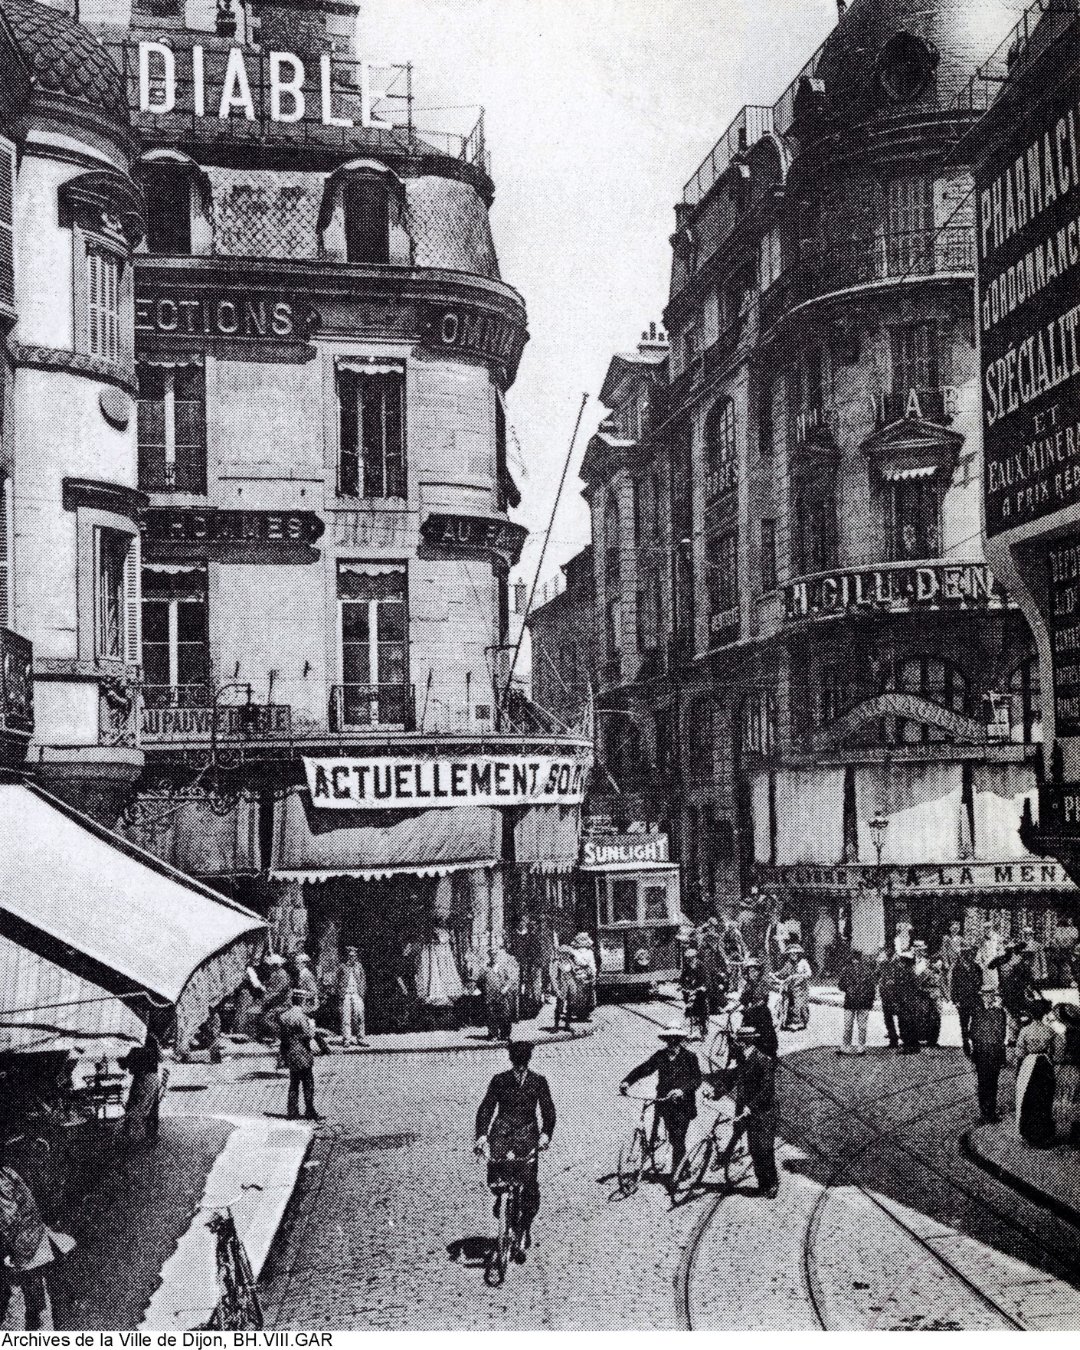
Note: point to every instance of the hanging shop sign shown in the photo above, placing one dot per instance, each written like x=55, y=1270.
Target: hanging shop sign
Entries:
x=240, y=722
x=625, y=848
x=215, y=530
x=1063, y=576
x=895, y=589
x=230, y=315
x=1028, y=194
x=465, y=330
x=469, y=536
x=386, y=784
x=922, y=877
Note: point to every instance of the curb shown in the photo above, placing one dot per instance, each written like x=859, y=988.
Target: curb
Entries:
x=543, y=1038
x=1061, y=1208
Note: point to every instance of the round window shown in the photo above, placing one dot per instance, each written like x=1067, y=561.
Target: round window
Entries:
x=905, y=67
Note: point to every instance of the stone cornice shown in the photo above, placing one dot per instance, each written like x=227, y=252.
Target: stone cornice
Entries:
x=74, y=363
x=115, y=497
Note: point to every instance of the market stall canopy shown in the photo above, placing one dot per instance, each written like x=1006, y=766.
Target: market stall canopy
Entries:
x=87, y=900
x=313, y=845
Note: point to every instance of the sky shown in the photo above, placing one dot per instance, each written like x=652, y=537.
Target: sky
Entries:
x=596, y=113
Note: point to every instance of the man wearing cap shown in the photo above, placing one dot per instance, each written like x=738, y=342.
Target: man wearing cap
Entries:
x=755, y=1107
x=298, y=1039
x=965, y=989
x=517, y=1114
x=678, y=1077
x=797, y=974
x=988, y=1049
x=755, y=983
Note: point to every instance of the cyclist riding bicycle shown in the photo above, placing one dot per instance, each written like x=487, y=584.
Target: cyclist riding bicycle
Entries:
x=507, y=1122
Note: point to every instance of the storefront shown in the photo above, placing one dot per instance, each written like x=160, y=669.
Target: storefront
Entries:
x=631, y=894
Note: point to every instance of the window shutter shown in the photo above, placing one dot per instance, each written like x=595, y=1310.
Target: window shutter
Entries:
x=7, y=217
x=5, y=553
x=132, y=624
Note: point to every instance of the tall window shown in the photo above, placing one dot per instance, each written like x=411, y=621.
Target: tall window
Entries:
x=914, y=518
x=367, y=220
x=6, y=609
x=612, y=627
x=909, y=241
x=936, y=680
x=768, y=554
x=815, y=541
x=722, y=568
x=637, y=489
x=721, y=452
x=612, y=559
x=916, y=362
x=116, y=596
x=374, y=645
x=759, y=718
x=168, y=209
x=372, y=406
x=700, y=730
x=176, y=637
x=654, y=505
x=172, y=428
x=103, y=303
x=771, y=258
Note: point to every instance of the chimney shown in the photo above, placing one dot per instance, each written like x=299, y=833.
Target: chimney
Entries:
x=841, y=8
x=225, y=22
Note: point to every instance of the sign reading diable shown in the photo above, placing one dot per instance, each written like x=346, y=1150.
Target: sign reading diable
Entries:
x=394, y=784
x=1028, y=193
x=893, y=589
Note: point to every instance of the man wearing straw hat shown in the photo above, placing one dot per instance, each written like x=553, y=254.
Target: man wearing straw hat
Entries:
x=678, y=1077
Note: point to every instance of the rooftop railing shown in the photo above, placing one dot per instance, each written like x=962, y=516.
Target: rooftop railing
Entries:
x=749, y=125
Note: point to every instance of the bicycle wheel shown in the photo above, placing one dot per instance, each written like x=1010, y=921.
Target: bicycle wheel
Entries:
x=719, y=1052
x=660, y=1152
x=499, y=1254
x=631, y=1163
x=691, y=1171
x=738, y=1167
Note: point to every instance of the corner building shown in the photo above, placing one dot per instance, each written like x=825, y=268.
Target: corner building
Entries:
x=323, y=345
x=804, y=631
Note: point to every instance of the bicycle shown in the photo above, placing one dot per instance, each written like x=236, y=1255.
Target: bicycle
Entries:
x=719, y=1051
x=713, y=1153
x=238, y=1307
x=647, y=1146
x=508, y=1187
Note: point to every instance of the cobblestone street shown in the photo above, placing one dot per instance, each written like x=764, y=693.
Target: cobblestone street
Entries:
x=391, y=1183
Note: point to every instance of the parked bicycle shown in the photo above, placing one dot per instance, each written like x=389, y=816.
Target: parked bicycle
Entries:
x=238, y=1307
x=722, y=1153
x=648, y=1151
x=509, y=1177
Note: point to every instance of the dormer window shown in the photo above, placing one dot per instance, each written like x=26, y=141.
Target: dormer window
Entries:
x=367, y=220
x=362, y=217
x=179, y=204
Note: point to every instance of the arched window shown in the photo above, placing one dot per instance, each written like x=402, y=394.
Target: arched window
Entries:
x=362, y=217
x=700, y=729
x=721, y=453
x=1025, y=708
x=934, y=679
x=612, y=561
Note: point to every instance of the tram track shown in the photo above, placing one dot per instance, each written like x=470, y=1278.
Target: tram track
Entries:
x=816, y=1296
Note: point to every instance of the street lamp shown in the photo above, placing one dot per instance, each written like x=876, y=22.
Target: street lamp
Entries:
x=878, y=825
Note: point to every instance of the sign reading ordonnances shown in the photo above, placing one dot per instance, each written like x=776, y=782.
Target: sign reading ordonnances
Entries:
x=394, y=784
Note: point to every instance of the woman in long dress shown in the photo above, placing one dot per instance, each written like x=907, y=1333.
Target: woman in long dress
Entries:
x=1037, y=1046
x=1067, y=1090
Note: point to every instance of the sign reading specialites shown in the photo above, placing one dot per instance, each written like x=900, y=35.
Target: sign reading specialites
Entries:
x=393, y=784
x=1028, y=194
x=1063, y=588
x=487, y=535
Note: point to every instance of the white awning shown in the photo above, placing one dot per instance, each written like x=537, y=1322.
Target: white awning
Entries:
x=900, y=473
x=642, y=868
x=94, y=904
x=313, y=845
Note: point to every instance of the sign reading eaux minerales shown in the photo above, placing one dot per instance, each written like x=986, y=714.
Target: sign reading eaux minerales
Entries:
x=403, y=783
x=1028, y=194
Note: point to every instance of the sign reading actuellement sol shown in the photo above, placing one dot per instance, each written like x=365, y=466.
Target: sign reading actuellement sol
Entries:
x=394, y=784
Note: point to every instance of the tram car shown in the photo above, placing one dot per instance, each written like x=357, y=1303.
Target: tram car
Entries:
x=630, y=890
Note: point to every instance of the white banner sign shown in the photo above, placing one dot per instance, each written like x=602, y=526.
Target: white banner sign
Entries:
x=395, y=784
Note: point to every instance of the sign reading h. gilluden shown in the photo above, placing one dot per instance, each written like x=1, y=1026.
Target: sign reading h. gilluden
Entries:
x=394, y=784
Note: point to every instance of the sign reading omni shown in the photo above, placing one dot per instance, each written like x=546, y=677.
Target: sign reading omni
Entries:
x=893, y=590
x=393, y=784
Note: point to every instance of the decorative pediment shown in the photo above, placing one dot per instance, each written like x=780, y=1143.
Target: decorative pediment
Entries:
x=104, y=202
x=911, y=707
x=913, y=448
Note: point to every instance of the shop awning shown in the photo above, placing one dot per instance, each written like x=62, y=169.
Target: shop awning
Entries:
x=638, y=868
x=199, y=841
x=548, y=838
x=93, y=904
x=312, y=845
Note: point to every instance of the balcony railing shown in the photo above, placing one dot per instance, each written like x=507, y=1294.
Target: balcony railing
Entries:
x=182, y=475
x=365, y=707
x=886, y=258
x=177, y=696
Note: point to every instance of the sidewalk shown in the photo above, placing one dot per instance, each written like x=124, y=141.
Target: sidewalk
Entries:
x=1049, y=1176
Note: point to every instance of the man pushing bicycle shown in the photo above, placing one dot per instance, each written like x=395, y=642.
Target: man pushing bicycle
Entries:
x=517, y=1116
x=678, y=1077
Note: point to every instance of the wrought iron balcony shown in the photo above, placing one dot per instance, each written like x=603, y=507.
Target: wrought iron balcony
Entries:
x=886, y=258
x=367, y=707
x=181, y=475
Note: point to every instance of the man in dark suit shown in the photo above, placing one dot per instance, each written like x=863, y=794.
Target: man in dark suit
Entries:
x=755, y=1107
x=508, y=1120
x=678, y=1077
x=987, y=1034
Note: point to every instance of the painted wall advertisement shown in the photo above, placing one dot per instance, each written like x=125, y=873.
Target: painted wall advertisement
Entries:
x=400, y=783
x=1063, y=588
x=1028, y=194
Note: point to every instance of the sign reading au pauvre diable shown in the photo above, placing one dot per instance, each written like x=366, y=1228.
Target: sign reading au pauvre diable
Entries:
x=403, y=783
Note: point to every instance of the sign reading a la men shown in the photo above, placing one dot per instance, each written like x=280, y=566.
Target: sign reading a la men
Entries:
x=394, y=784
x=1028, y=193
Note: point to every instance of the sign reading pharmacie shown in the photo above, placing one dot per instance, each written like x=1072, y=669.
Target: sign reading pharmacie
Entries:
x=1028, y=194
x=402, y=783
x=922, y=877
x=623, y=849
x=893, y=589
x=470, y=536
